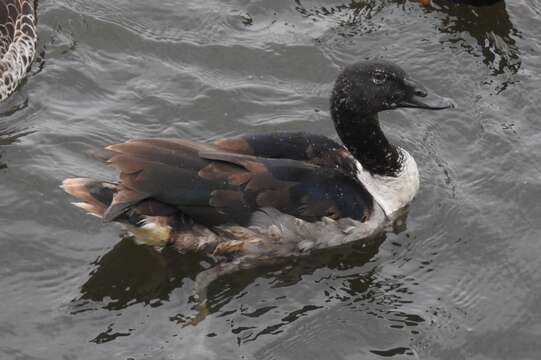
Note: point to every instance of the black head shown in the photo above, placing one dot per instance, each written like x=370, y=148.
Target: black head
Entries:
x=366, y=88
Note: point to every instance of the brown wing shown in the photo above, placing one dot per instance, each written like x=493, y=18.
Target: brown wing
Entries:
x=214, y=186
x=311, y=148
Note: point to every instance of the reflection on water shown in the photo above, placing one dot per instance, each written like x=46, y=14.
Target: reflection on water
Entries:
x=12, y=109
x=491, y=29
x=353, y=18
x=130, y=273
x=462, y=282
x=10, y=135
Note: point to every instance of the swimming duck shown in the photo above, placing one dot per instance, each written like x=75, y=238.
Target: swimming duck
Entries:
x=269, y=195
x=17, y=43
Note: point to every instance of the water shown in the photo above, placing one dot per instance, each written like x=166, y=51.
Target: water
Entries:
x=461, y=280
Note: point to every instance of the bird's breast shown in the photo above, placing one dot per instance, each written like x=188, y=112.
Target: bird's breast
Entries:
x=392, y=193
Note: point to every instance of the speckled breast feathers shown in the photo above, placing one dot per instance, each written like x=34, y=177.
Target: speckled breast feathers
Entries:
x=18, y=40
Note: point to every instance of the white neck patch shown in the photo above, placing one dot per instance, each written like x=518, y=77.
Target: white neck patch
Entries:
x=392, y=193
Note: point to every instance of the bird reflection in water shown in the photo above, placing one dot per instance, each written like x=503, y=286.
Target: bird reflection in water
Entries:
x=491, y=29
x=483, y=31
x=9, y=136
x=130, y=273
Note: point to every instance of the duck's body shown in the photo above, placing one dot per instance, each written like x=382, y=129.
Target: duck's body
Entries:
x=255, y=201
x=17, y=43
x=273, y=194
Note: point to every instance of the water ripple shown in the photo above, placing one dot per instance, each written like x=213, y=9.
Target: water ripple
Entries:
x=457, y=280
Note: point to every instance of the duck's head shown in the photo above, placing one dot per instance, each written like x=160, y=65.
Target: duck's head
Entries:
x=366, y=88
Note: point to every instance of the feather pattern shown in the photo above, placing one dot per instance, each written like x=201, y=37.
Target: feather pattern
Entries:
x=232, y=197
x=18, y=40
x=216, y=186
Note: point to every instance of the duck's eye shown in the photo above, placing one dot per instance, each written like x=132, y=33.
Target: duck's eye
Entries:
x=379, y=77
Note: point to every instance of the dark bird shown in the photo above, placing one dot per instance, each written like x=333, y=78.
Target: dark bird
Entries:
x=18, y=40
x=269, y=195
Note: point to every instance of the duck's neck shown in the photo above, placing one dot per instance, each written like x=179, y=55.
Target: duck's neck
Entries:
x=363, y=137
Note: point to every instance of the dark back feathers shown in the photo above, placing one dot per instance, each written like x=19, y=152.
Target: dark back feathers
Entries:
x=213, y=184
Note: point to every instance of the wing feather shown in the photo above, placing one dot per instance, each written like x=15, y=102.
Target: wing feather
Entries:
x=214, y=185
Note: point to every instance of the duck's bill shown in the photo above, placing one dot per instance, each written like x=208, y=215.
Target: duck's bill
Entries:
x=421, y=99
x=431, y=102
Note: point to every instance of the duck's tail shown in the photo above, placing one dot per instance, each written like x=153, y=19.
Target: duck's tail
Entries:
x=150, y=222
x=95, y=196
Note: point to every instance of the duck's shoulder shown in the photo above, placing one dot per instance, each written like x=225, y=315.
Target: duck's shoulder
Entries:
x=312, y=148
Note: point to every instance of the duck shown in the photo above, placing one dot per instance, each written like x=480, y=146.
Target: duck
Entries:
x=18, y=39
x=267, y=195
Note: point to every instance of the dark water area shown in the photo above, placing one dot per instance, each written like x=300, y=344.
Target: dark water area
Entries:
x=460, y=280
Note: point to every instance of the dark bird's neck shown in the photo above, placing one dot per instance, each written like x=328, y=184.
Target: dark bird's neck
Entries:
x=363, y=137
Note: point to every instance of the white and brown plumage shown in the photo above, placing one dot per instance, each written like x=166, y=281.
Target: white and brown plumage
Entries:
x=263, y=196
x=18, y=40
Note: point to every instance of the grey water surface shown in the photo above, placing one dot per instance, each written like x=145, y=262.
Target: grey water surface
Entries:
x=461, y=279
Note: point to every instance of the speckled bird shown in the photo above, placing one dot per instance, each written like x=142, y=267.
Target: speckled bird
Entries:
x=18, y=40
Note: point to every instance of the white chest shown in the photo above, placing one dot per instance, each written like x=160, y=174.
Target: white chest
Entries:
x=392, y=193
